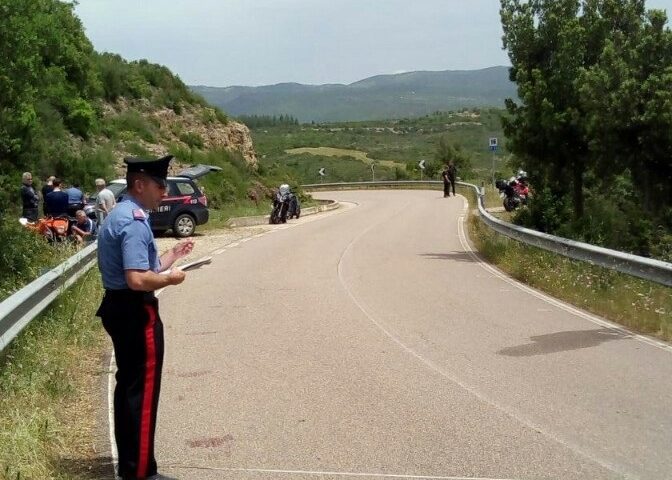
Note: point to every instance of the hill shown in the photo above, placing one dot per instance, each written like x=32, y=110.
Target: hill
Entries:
x=410, y=94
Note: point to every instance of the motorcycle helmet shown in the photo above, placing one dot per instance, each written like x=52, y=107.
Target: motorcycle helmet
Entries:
x=522, y=174
x=284, y=189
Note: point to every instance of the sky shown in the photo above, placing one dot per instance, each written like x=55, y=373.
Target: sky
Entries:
x=264, y=42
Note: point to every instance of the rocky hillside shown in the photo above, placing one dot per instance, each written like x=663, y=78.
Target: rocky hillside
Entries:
x=158, y=131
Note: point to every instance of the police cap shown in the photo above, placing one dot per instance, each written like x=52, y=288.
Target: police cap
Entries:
x=155, y=168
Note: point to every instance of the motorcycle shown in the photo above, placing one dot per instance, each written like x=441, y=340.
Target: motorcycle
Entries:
x=281, y=203
x=294, y=208
x=514, y=192
x=54, y=229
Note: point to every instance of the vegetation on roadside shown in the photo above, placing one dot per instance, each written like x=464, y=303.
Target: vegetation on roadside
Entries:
x=47, y=381
x=640, y=305
x=593, y=127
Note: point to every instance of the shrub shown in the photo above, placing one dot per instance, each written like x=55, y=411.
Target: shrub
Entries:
x=80, y=118
x=192, y=139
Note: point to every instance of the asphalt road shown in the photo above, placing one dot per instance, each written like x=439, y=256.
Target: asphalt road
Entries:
x=370, y=343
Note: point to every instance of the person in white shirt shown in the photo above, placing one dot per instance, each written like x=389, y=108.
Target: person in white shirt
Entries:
x=105, y=201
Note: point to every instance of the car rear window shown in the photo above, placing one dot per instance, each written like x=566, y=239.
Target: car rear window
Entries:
x=182, y=188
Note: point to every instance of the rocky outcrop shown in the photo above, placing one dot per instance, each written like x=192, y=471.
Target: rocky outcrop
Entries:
x=195, y=126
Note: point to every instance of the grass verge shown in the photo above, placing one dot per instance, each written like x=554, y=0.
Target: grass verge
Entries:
x=640, y=305
x=48, y=390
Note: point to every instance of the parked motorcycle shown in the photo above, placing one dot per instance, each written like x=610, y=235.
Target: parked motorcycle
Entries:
x=514, y=192
x=294, y=208
x=281, y=203
x=54, y=229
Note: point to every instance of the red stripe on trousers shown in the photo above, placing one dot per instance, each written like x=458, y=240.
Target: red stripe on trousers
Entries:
x=147, y=394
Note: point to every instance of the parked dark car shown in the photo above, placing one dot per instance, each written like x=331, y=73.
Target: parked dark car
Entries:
x=184, y=207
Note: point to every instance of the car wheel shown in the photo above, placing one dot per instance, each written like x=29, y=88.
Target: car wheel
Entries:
x=184, y=225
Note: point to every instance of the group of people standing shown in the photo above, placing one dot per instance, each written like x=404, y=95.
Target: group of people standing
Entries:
x=60, y=201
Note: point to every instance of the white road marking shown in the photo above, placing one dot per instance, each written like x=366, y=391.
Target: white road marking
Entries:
x=323, y=473
x=234, y=244
x=219, y=251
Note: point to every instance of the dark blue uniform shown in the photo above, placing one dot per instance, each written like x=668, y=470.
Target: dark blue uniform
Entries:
x=131, y=318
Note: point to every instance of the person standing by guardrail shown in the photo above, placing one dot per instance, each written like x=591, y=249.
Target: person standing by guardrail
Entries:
x=47, y=188
x=130, y=266
x=29, y=197
x=57, y=200
x=105, y=201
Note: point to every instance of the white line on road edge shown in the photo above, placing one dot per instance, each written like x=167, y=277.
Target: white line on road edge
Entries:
x=339, y=474
x=110, y=412
x=515, y=415
x=554, y=301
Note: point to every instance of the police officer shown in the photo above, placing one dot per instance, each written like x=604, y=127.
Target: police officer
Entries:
x=129, y=264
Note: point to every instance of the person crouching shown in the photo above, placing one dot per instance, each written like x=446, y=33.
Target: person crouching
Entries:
x=84, y=229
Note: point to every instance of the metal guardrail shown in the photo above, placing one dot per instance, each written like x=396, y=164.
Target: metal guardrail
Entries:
x=649, y=269
x=23, y=306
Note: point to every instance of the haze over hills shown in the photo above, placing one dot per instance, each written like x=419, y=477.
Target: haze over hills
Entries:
x=400, y=95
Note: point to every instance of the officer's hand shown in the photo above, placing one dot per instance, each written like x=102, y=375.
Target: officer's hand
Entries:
x=183, y=248
x=175, y=277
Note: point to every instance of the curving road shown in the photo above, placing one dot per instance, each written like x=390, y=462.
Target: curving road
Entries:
x=371, y=343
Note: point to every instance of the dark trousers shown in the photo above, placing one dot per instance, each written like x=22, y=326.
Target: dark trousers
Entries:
x=132, y=320
x=30, y=213
x=446, y=188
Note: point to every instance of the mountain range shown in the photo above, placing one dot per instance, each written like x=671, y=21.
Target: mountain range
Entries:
x=401, y=95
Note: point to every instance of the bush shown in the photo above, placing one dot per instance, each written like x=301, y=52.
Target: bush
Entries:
x=131, y=121
x=192, y=139
x=25, y=255
x=80, y=118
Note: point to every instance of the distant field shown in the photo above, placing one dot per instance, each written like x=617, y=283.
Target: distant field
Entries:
x=347, y=150
x=342, y=152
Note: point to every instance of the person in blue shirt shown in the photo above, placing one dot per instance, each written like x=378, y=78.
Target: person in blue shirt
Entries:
x=130, y=267
x=76, y=199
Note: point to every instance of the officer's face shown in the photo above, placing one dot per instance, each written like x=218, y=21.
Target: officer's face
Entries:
x=149, y=192
x=155, y=192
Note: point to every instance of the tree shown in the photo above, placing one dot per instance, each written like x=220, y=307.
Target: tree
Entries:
x=447, y=152
x=593, y=81
x=547, y=45
x=629, y=107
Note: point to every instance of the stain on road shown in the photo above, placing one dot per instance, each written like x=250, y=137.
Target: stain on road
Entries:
x=562, y=342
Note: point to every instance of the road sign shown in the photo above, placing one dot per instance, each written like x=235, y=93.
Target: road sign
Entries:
x=422, y=164
x=321, y=172
x=493, y=143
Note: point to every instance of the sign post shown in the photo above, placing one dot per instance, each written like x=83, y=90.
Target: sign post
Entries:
x=493, y=148
x=422, y=168
x=322, y=174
